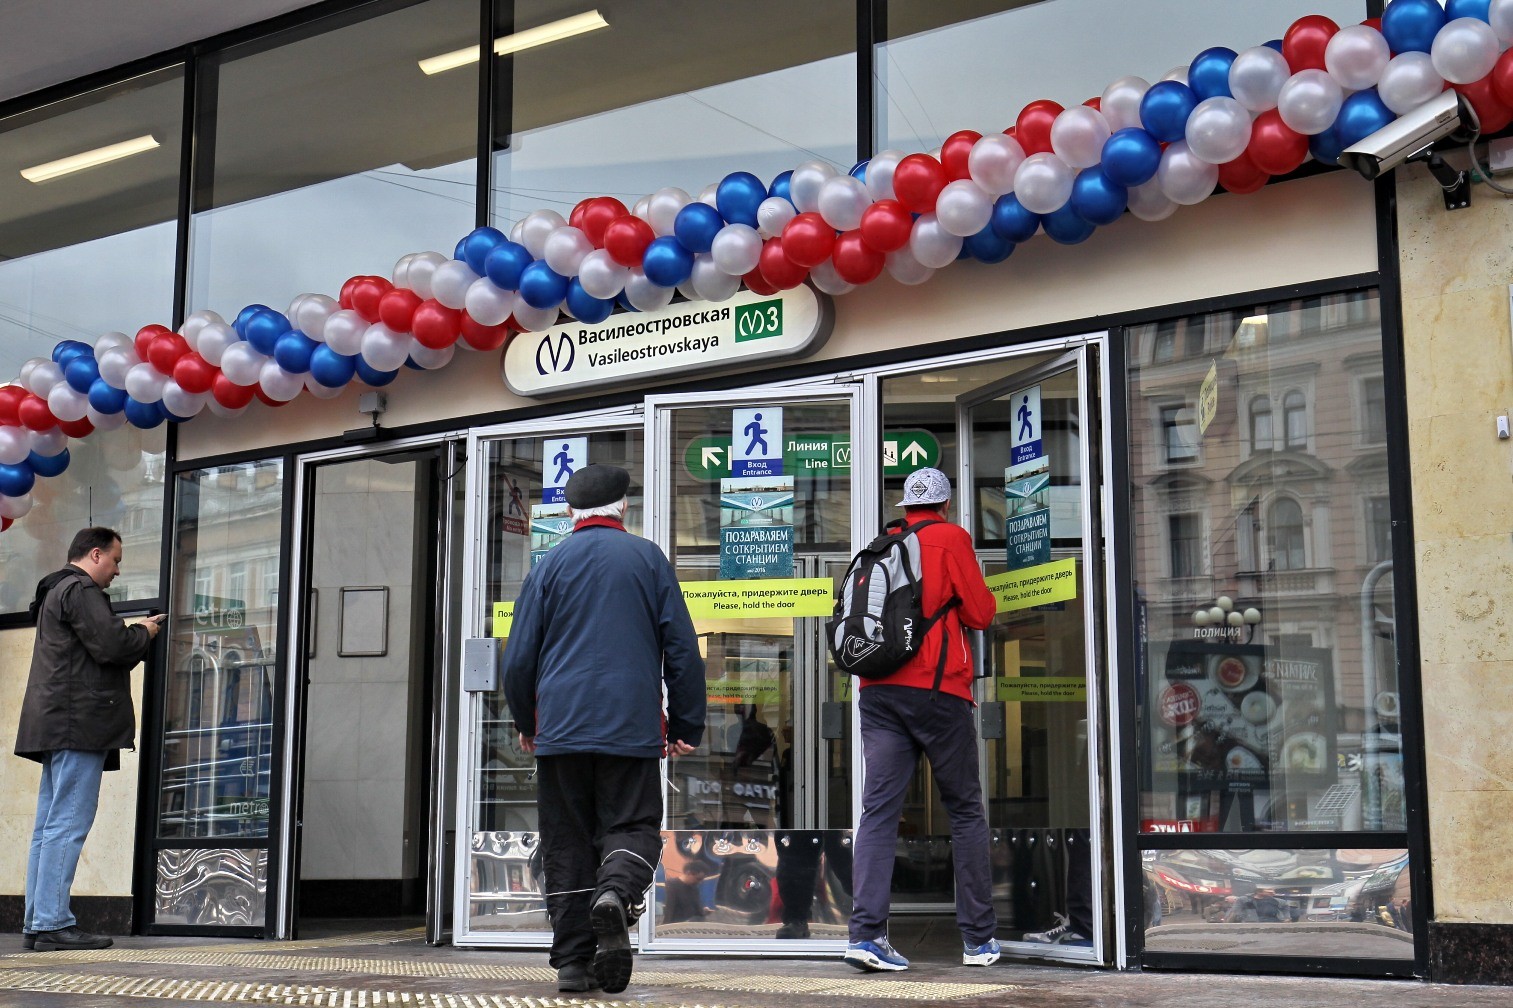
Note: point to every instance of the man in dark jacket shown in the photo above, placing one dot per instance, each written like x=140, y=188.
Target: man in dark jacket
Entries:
x=903, y=717
x=75, y=718
x=599, y=628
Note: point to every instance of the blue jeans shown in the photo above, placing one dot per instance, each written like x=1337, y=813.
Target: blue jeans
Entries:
x=66, y=803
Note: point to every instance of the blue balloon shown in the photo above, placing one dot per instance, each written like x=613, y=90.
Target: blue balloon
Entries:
x=81, y=372
x=70, y=349
x=1325, y=147
x=1097, y=199
x=413, y=364
x=1410, y=25
x=457, y=250
x=1275, y=43
x=739, y=195
x=586, y=308
x=859, y=171
x=371, y=376
x=1208, y=75
x=293, y=350
x=170, y=416
x=1165, y=108
x=16, y=480
x=541, y=286
x=263, y=328
x=240, y=322
x=505, y=262
x=781, y=186
x=1362, y=115
x=666, y=262
x=988, y=246
x=478, y=244
x=106, y=398
x=1066, y=227
x=696, y=225
x=1012, y=221
x=331, y=369
x=1131, y=156
x=623, y=300
x=48, y=465
x=1467, y=8
x=145, y=415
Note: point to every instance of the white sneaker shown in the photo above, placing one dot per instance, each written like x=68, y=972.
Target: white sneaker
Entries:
x=985, y=954
x=1061, y=934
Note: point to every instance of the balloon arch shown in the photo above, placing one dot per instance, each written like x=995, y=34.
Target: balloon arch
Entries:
x=1228, y=119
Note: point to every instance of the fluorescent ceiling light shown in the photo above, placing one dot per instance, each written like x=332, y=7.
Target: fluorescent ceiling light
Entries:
x=88, y=159
x=555, y=31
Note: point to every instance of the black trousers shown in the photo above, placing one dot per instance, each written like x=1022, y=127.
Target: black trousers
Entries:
x=601, y=822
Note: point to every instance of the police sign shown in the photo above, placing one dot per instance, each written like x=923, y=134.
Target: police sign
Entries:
x=688, y=337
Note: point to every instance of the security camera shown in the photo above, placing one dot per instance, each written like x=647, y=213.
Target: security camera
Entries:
x=1410, y=134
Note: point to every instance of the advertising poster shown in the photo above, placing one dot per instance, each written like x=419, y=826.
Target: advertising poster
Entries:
x=1027, y=485
x=756, y=499
x=549, y=526
x=560, y=458
x=515, y=521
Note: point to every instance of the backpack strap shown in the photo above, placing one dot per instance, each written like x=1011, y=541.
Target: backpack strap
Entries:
x=940, y=665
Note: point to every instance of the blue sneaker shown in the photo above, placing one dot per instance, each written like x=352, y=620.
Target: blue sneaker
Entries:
x=985, y=954
x=875, y=956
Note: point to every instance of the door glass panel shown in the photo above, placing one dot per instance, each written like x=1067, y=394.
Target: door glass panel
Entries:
x=504, y=883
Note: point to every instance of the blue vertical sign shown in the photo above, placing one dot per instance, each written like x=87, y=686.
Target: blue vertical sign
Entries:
x=756, y=500
x=560, y=458
x=1026, y=485
x=756, y=442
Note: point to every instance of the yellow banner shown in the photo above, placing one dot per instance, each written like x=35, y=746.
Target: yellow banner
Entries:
x=1033, y=586
x=791, y=597
x=1042, y=689
x=504, y=615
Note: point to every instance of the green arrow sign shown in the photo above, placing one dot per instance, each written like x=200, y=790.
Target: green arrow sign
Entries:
x=810, y=455
x=907, y=450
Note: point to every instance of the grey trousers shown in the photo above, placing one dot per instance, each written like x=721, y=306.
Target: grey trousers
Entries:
x=899, y=724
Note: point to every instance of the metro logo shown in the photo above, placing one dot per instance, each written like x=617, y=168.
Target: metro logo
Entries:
x=759, y=321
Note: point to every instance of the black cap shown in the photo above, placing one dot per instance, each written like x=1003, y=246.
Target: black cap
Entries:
x=595, y=486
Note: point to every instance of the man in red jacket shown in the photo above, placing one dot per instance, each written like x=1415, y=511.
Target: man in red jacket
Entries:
x=903, y=716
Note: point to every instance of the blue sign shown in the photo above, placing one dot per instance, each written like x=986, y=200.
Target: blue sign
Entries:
x=1025, y=446
x=560, y=458
x=756, y=442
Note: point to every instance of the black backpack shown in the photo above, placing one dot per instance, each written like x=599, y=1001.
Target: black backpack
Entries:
x=879, y=621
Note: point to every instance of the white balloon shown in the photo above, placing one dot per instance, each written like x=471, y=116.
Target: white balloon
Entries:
x=535, y=228
x=773, y=214
x=49, y=442
x=221, y=411
x=27, y=367
x=383, y=348
x=1120, y=103
x=144, y=382
x=536, y=319
x=643, y=294
x=903, y=267
x=1500, y=17
x=106, y=421
x=642, y=208
x=111, y=340
x=1310, y=101
x=115, y=362
x=963, y=209
x=314, y=388
x=1078, y=135
x=993, y=161
x=736, y=249
x=1186, y=178
x=1043, y=183
x=1409, y=80
x=215, y=339
x=932, y=244
x=1218, y=130
x=15, y=507
x=828, y=280
x=842, y=201
x=663, y=207
x=601, y=276
x=1149, y=203
x=400, y=276
x=280, y=385
x=1356, y=56
x=343, y=331
x=67, y=403
x=42, y=377
x=181, y=403
x=242, y=365
x=710, y=282
x=450, y=283
x=313, y=312
x=489, y=305
x=190, y=330
x=1256, y=77
x=422, y=269
x=710, y=195
x=880, y=173
x=1178, y=74
x=565, y=249
x=804, y=187
x=432, y=358
x=15, y=445
x=1465, y=50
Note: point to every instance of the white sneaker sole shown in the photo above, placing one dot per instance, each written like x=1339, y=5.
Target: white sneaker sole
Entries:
x=870, y=963
x=985, y=959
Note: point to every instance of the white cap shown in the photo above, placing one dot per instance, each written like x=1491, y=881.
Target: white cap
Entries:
x=925, y=487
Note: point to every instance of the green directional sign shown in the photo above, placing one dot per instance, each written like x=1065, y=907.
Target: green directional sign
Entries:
x=907, y=450
x=811, y=455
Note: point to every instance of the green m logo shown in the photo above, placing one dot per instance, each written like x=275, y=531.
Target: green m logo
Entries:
x=759, y=321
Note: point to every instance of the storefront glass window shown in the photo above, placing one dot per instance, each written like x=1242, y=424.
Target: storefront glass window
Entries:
x=1269, y=688
x=950, y=65
x=333, y=153
x=86, y=249
x=671, y=94
x=222, y=678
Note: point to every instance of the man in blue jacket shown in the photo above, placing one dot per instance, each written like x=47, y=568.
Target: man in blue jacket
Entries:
x=599, y=628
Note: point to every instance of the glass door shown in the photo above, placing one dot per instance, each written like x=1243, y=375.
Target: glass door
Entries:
x=754, y=503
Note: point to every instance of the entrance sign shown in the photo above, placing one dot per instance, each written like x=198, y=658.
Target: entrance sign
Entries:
x=1026, y=485
x=758, y=442
x=560, y=458
x=1033, y=586
x=756, y=500
x=684, y=338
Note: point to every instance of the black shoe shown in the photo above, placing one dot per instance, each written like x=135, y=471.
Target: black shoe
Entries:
x=797, y=929
x=65, y=939
x=28, y=940
x=612, y=962
x=577, y=977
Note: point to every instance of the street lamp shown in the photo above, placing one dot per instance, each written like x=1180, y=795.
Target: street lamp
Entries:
x=1228, y=620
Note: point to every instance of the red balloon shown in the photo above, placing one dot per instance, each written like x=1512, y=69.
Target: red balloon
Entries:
x=1033, y=127
x=5, y=523
x=917, y=181
x=194, y=373
x=1304, y=44
x=1241, y=176
x=367, y=292
x=35, y=415
x=165, y=350
x=1373, y=23
x=228, y=393
x=396, y=309
x=80, y=428
x=481, y=337
x=257, y=390
x=145, y=336
x=600, y=212
x=778, y=270
x=757, y=284
x=1275, y=148
x=1494, y=113
x=808, y=240
x=1502, y=78
x=955, y=151
x=626, y=238
x=575, y=219
x=435, y=325
x=1096, y=104
x=344, y=298
x=856, y=262
x=886, y=225
x=10, y=398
